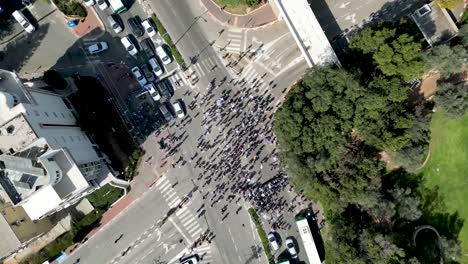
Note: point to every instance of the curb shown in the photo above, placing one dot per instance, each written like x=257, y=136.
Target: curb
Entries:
x=239, y=15
x=234, y=16
x=103, y=26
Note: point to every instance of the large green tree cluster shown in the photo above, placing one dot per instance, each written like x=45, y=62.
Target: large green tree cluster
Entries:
x=330, y=130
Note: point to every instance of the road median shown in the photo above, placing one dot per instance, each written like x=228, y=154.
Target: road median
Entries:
x=162, y=31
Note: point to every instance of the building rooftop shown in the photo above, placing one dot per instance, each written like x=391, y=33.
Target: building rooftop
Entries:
x=435, y=23
x=16, y=134
x=307, y=32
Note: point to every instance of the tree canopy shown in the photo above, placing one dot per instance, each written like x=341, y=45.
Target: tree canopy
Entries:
x=447, y=60
x=453, y=98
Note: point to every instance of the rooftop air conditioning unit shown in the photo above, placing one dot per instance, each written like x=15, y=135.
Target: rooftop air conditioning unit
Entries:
x=424, y=10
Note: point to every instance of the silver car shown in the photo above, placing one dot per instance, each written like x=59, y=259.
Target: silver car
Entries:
x=291, y=248
x=273, y=242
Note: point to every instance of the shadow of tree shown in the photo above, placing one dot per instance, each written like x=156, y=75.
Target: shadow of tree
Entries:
x=27, y=44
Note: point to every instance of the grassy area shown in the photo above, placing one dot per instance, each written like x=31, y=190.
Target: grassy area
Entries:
x=262, y=234
x=447, y=166
x=238, y=6
x=105, y=196
x=162, y=31
x=464, y=19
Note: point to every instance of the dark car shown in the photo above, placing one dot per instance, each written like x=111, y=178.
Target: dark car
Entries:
x=148, y=46
x=165, y=88
x=165, y=112
x=147, y=72
x=136, y=27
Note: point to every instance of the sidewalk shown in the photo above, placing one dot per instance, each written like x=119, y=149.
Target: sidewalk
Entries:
x=91, y=25
x=259, y=17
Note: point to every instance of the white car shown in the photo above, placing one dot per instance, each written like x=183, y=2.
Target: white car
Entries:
x=163, y=55
x=154, y=64
x=178, y=109
x=291, y=248
x=18, y=16
x=131, y=49
x=139, y=76
x=273, y=242
x=148, y=28
x=89, y=2
x=189, y=260
x=102, y=4
x=98, y=47
x=153, y=91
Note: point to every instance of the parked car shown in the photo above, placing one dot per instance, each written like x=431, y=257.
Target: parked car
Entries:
x=89, y=2
x=153, y=91
x=115, y=25
x=162, y=54
x=179, y=112
x=291, y=248
x=147, y=73
x=165, y=112
x=155, y=66
x=135, y=26
x=148, y=46
x=165, y=88
x=189, y=260
x=148, y=26
x=24, y=22
x=98, y=47
x=273, y=241
x=129, y=46
x=139, y=76
x=102, y=4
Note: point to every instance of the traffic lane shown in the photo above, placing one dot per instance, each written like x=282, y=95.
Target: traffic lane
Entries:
x=140, y=216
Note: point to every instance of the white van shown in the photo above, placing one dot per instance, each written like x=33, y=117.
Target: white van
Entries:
x=23, y=21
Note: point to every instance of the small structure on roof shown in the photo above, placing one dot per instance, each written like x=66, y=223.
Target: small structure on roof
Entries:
x=435, y=23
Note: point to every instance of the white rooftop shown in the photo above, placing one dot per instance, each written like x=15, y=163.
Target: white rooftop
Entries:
x=307, y=32
x=45, y=200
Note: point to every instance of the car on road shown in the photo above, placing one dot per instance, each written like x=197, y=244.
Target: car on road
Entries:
x=147, y=73
x=129, y=46
x=148, y=46
x=139, y=76
x=155, y=66
x=148, y=26
x=273, y=241
x=177, y=107
x=165, y=112
x=162, y=54
x=165, y=88
x=98, y=47
x=24, y=22
x=189, y=260
x=115, y=25
x=135, y=26
x=153, y=91
x=102, y=4
x=89, y=2
x=291, y=248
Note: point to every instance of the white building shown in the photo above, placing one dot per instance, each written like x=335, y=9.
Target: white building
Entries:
x=47, y=162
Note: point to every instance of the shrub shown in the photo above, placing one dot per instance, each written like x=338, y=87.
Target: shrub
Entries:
x=162, y=31
x=53, y=78
x=71, y=8
x=253, y=3
x=262, y=234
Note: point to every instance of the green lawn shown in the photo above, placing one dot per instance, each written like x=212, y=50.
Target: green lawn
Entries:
x=235, y=6
x=447, y=166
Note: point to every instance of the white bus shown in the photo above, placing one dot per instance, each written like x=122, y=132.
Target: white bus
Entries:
x=118, y=6
x=307, y=240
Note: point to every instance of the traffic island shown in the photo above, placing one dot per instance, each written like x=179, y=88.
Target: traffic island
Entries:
x=262, y=234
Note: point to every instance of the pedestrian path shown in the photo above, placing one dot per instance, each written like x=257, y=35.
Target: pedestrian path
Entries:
x=235, y=38
x=253, y=78
x=178, y=77
x=168, y=192
x=203, y=252
x=204, y=66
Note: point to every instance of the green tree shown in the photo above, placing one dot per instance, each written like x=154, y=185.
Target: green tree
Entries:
x=463, y=35
x=407, y=205
x=447, y=60
x=53, y=78
x=451, y=249
x=394, y=53
x=452, y=98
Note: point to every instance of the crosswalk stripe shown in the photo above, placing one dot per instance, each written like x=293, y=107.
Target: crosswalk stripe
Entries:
x=183, y=210
x=193, y=227
x=174, y=202
x=199, y=70
x=162, y=180
x=197, y=232
x=203, y=248
x=182, y=77
x=185, y=215
x=169, y=196
x=188, y=222
x=165, y=188
x=162, y=183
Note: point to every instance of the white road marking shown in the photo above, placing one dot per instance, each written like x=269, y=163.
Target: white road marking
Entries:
x=179, y=212
x=174, y=202
x=180, y=231
x=191, y=219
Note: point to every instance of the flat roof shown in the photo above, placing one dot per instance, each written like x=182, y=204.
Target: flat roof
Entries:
x=435, y=23
x=42, y=201
x=307, y=32
x=16, y=134
x=9, y=241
